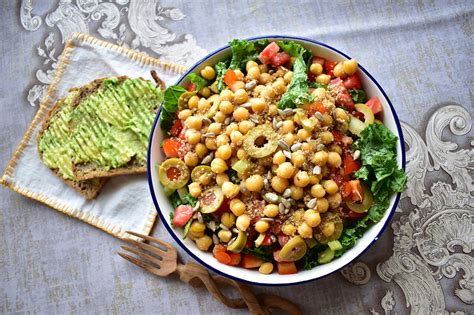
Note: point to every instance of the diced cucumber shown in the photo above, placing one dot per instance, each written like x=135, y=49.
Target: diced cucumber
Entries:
x=335, y=245
x=326, y=256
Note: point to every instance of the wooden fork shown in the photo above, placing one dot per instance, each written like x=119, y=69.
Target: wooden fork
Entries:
x=162, y=261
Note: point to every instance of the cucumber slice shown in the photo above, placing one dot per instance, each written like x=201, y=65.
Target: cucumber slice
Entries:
x=335, y=245
x=326, y=256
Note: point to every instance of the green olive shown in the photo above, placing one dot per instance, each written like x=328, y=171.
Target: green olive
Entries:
x=326, y=218
x=183, y=99
x=238, y=245
x=260, y=141
x=294, y=250
x=173, y=173
x=366, y=203
x=211, y=199
x=214, y=99
x=200, y=170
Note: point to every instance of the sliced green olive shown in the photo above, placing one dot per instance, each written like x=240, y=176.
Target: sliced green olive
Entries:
x=368, y=114
x=173, y=173
x=183, y=99
x=326, y=256
x=242, y=166
x=356, y=125
x=329, y=218
x=260, y=141
x=200, y=170
x=294, y=250
x=215, y=100
x=366, y=203
x=238, y=245
x=211, y=199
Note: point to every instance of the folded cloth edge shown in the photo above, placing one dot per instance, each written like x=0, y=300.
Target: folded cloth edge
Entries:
x=46, y=104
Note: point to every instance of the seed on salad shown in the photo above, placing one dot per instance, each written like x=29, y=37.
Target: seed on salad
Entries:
x=271, y=197
x=207, y=159
x=250, y=85
x=285, y=202
x=196, y=206
x=266, y=183
x=215, y=239
x=319, y=116
x=200, y=218
x=281, y=208
x=287, y=193
x=317, y=170
x=296, y=147
x=211, y=225
x=312, y=203
x=356, y=155
x=287, y=154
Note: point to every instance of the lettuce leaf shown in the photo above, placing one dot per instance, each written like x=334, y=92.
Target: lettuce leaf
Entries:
x=170, y=106
x=197, y=80
x=221, y=68
x=358, y=96
x=298, y=91
x=242, y=51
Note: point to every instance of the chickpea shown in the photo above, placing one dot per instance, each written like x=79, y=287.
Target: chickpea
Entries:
x=289, y=138
x=253, y=73
x=335, y=148
x=193, y=122
x=221, y=178
x=266, y=268
x=222, y=139
x=316, y=69
x=193, y=136
x=245, y=126
x=263, y=68
x=240, y=96
x=312, y=218
x=279, y=158
x=328, y=229
x=296, y=192
x=334, y=200
x=208, y=73
x=237, y=85
x=241, y=154
x=236, y=137
x=285, y=170
x=288, y=76
x=237, y=207
x=264, y=78
x=320, y=158
x=301, y=179
x=341, y=115
x=231, y=127
x=193, y=102
x=242, y=222
x=224, y=235
x=226, y=107
x=298, y=158
x=239, y=74
x=206, y=92
x=330, y=186
x=350, y=66
x=322, y=205
x=339, y=71
x=205, y=179
x=195, y=189
x=314, y=179
x=254, y=183
x=197, y=227
x=317, y=191
x=230, y=190
x=258, y=104
x=184, y=114
x=191, y=159
x=305, y=231
x=303, y=134
x=219, y=117
x=271, y=210
x=326, y=137
x=262, y=226
x=319, y=93
x=334, y=159
x=250, y=64
x=224, y=152
x=204, y=242
x=323, y=79
x=288, y=229
x=268, y=94
x=272, y=110
x=258, y=89
x=228, y=219
x=194, y=236
x=203, y=105
x=241, y=114
x=288, y=126
x=201, y=150
x=226, y=95
x=218, y=166
x=215, y=128
x=210, y=143
x=279, y=184
x=279, y=87
x=327, y=120
x=308, y=147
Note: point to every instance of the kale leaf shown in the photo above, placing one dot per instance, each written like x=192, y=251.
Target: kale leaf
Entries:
x=263, y=252
x=358, y=96
x=197, y=80
x=242, y=52
x=221, y=68
x=170, y=106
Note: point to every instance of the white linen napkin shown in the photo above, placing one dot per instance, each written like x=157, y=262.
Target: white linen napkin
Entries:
x=124, y=202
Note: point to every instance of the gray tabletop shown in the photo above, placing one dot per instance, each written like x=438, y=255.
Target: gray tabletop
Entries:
x=422, y=54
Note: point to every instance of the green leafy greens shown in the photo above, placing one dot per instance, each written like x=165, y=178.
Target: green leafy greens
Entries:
x=358, y=96
x=244, y=51
x=170, y=106
x=298, y=91
x=221, y=68
x=187, y=199
x=263, y=252
x=197, y=80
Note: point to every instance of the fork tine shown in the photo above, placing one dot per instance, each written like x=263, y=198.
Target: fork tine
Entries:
x=147, y=247
x=151, y=239
x=141, y=264
x=143, y=255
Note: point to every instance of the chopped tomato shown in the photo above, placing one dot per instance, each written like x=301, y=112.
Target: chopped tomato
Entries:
x=176, y=128
x=359, y=115
x=374, y=104
x=286, y=268
x=339, y=179
x=225, y=207
x=353, y=190
x=182, y=214
x=182, y=134
x=343, y=98
x=235, y=258
x=350, y=165
x=311, y=109
x=267, y=241
x=171, y=147
x=353, y=82
x=268, y=53
x=250, y=261
x=317, y=59
x=230, y=77
x=283, y=239
x=280, y=59
x=329, y=67
x=346, y=190
x=337, y=136
x=249, y=243
x=223, y=257
x=311, y=77
x=190, y=87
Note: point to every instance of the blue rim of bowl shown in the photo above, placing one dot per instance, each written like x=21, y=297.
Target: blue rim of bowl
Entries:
x=170, y=229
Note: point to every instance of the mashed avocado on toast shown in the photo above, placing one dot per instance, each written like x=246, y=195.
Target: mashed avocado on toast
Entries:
x=101, y=129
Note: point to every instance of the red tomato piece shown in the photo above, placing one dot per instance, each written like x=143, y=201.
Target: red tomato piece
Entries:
x=287, y=268
x=190, y=86
x=311, y=109
x=250, y=261
x=353, y=82
x=343, y=98
x=267, y=241
x=269, y=52
x=235, y=258
x=276, y=255
x=317, y=59
x=280, y=59
x=230, y=77
x=223, y=257
x=171, y=147
x=182, y=214
x=329, y=67
x=337, y=136
x=176, y=128
x=374, y=104
x=350, y=165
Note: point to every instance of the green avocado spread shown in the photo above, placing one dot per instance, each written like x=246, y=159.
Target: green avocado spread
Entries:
x=106, y=129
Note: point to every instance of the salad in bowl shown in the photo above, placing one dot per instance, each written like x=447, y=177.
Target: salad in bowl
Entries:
x=275, y=159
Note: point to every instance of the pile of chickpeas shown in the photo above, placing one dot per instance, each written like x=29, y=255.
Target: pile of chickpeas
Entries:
x=301, y=175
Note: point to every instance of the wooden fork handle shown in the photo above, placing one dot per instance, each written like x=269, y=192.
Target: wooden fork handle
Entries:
x=197, y=276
